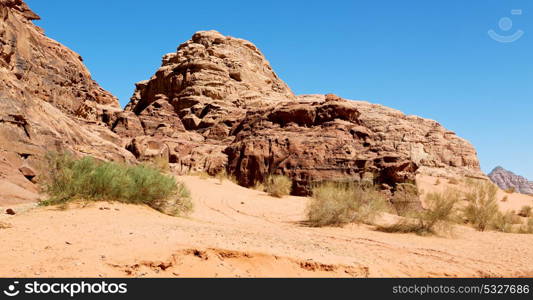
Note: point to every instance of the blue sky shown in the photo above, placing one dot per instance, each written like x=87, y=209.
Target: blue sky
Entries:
x=429, y=58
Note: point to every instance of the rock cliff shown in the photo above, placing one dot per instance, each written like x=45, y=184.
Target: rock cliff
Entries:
x=48, y=102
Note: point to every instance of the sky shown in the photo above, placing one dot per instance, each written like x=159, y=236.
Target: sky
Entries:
x=435, y=59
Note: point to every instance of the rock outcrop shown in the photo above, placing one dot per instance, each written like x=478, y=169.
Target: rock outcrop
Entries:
x=508, y=180
x=217, y=105
x=187, y=109
x=48, y=101
x=324, y=138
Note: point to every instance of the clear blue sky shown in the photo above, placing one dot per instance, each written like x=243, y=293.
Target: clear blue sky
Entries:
x=430, y=58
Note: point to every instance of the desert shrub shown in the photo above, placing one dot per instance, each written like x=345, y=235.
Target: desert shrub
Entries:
x=4, y=225
x=89, y=179
x=259, y=186
x=527, y=228
x=160, y=163
x=510, y=190
x=438, y=216
x=453, y=181
x=224, y=176
x=202, y=174
x=278, y=185
x=504, y=222
x=405, y=196
x=482, y=208
x=337, y=204
x=437, y=182
x=525, y=211
x=505, y=199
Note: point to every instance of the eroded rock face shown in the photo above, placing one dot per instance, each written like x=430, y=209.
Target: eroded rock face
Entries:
x=508, y=180
x=200, y=92
x=48, y=102
x=324, y=138
x=216, y=104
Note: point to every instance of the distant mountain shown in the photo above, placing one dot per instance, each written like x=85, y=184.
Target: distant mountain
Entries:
x=506, y=180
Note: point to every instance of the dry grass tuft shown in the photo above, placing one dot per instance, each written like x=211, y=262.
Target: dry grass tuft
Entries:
x=278, y=185
x=482, y=208
x=437, y=217
x=525, y=211
x=336, y=204
x=4, y=225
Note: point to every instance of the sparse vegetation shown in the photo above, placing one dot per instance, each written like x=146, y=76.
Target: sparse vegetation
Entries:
x=482, y=208
x=525, y=211
x=527, y=228
x=278, y=185
x=89, y=179
x=437, y=182
x=160, y=163
x=505, y=199
x=223, y=176
x=436, y=217
x=202, y=174
x=453, y=181
x=337, y=204
x=510, y=190
x=4, y=225
x=405, y=196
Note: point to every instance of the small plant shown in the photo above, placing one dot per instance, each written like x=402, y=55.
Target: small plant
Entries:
x=278, y=185
x=160, y=163
x=453, y=181
x=525, y=211
x=482, y=208
x=259, y=186
x=510, y=190
x=336, y=204
x=223, y=176
x=405, y=196
x=89, y=179
x=527, y=228
x=4, y=225
x=501, y=223
x=505, y=199
x=438, y=181
x=436, y=217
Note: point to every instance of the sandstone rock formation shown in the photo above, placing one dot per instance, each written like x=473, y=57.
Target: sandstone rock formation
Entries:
x=321, y=138
x=187, y=109
x=48, y=101
x=508, y=180
x=216, y=104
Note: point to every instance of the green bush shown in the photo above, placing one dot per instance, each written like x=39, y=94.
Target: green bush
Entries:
x=342, y=203
x=89, y=179
x=482, y=208
x=278, y=185
x=437, y=216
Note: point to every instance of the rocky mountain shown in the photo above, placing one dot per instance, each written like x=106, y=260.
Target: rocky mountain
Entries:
x=48, y=101
x=214, y=105
x=508, y=180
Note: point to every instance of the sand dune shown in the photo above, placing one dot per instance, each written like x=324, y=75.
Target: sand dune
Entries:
x=238, y=232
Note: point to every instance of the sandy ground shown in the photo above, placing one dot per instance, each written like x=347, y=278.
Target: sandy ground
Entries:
x=238, y=232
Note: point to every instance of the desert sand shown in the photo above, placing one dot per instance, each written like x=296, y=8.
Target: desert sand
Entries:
x=239, y=232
